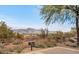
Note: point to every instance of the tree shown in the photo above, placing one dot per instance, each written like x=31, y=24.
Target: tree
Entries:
x=6, y=34
x=19, y=36
x=60, y=13
x=46, y=31
x=42, y=33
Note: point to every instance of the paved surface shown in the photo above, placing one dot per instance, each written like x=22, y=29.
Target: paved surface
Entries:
x=56, y=50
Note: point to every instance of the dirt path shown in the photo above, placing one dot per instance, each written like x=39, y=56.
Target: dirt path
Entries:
x=56, y=50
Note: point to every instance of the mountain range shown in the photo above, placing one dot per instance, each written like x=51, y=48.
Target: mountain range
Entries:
x=27, y=31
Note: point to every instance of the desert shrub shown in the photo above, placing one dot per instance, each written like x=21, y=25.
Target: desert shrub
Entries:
x=1, y=45
x=45, y=45
x=51, y=45
x=10, y=47
x=42, y=35
x=4, y=51
x=17, y=42
x=18, y=49
x=6, y=34
x=67, y=44
x=74, y=46
x=40, y=46
x=71, y=40
x=23, y=45
x=19, y=36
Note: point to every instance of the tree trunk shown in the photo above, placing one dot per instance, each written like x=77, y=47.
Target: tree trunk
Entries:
x=77, y=28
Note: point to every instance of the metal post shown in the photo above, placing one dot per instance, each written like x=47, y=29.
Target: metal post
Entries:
x=31, y=47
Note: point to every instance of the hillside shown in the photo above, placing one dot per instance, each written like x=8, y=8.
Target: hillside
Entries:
x=27, y=31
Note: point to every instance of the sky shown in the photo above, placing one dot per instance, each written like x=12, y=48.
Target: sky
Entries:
x=27, y=16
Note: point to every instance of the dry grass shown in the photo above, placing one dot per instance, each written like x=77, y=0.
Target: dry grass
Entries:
x=18, y=46
x=45, y=43
x=12, y=48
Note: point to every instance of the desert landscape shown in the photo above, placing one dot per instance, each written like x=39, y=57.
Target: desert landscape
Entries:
x=40, y=40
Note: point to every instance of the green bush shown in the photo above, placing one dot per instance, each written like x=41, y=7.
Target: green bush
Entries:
x=19, y=49
x=6, y=34
x=51, y=45
x=40, y=46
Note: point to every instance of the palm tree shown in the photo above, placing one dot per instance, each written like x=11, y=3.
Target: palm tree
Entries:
x=54, y=13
